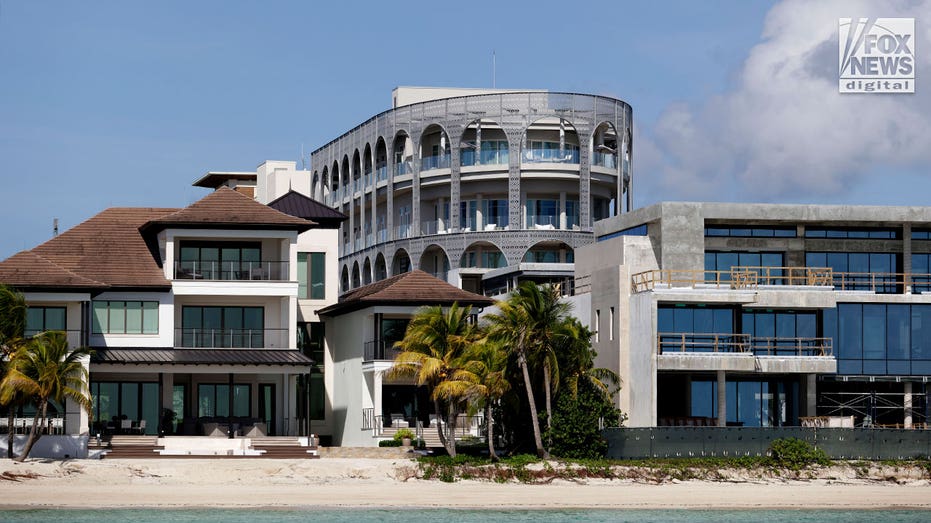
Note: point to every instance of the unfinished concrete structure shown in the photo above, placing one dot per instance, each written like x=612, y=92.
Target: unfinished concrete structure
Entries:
x=764, y=315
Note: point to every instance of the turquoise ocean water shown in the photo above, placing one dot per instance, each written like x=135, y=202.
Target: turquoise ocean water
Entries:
x=143, y=515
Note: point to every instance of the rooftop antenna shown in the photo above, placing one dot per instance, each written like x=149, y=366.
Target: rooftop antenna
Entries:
x=55, y=227
x=494, y=70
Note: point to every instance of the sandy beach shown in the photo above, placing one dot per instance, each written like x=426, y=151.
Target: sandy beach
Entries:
x=371, y=483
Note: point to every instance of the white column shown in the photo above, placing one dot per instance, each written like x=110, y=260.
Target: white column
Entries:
x=562, y=210
x=907, y=403
x=440, y=219
x=722, y=400
x=479, y=218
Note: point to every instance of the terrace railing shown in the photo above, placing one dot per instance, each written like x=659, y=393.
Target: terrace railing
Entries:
x=231, y=338
x=682, y=342
x=691, y=342
x=736, y=278
x=232, y=271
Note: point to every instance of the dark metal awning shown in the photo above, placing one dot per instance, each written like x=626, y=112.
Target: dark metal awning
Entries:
x=200, y=357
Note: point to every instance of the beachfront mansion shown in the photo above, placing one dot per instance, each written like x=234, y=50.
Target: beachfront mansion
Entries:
x=270, y=306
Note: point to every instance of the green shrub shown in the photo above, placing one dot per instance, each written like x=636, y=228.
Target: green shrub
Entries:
x=793, y=453
x=389, y=443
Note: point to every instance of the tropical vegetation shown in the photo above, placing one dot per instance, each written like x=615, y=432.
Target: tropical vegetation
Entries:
x=40, y=370
x=529, y=351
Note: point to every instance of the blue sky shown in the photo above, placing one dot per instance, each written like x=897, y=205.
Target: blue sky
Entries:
x=126, y=103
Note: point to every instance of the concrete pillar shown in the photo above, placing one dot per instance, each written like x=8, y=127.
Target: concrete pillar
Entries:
x=722, y=399
x=811, y=394
x=907, y=257
x=907, y=403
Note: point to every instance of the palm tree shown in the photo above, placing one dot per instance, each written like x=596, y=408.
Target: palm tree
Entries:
x=481, y=381
x=12, y=331
x=45, y=369
x=528, y=323
x=578, y=361
x=430, y=352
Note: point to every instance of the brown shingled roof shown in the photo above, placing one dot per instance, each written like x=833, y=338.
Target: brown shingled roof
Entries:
x=409, y=288
x=106, y=249
x=297, y=204
x=227, y=209
x=28, y=269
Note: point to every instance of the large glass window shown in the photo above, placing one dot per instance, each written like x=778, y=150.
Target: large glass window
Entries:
x=311, y=274
x=213, y=400
x=718, y=265
x=880, y=339
x=219, y=260
x=871, y=271
x=222, y=327
x=749, y=231
x=867, y=233
x=495, y=212
x=467, y=214
x=750, y=403
x=310, y=340
x=542, y=213
x=125, y=317
x=41, y=319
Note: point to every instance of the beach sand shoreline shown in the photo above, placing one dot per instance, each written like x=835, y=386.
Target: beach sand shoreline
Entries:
x=342, y=483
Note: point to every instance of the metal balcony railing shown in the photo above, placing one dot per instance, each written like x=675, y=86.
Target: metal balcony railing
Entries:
x=725, y=343
x=231, y=338
x=754, y=277
x=736, y=278
x=232, y=271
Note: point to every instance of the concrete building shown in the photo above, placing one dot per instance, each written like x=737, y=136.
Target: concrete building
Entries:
x=764, y=315
x=479, y=187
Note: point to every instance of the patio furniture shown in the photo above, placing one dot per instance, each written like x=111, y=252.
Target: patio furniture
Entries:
x=398, y=421
x=57, y=426
x=126, y=425
x=140, y=427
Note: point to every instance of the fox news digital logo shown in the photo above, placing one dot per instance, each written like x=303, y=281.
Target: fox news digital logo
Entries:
x=877, y=55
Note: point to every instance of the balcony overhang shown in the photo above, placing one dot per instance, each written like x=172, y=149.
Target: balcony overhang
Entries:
x=746, y=362
x=233, y=288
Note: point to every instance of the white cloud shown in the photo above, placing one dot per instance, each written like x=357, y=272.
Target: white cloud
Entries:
x=783, y=131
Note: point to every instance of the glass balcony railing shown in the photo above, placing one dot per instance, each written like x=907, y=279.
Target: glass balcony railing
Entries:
x=381, y=174
x=231, y=338
x=403, y=168
x=546, y=155
x=542, y=221
x=235, y=271
x=467, y=157
x=433, y=227
x=379, y=350
x=607, y=160
x=403, y=231
x=382, y=235
x=435, y=162
x=368, y=179
x=369, y=239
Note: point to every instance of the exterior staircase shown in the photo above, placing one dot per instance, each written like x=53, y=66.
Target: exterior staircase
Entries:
x=284, y=448
x=430, y=438
x=131, y=447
